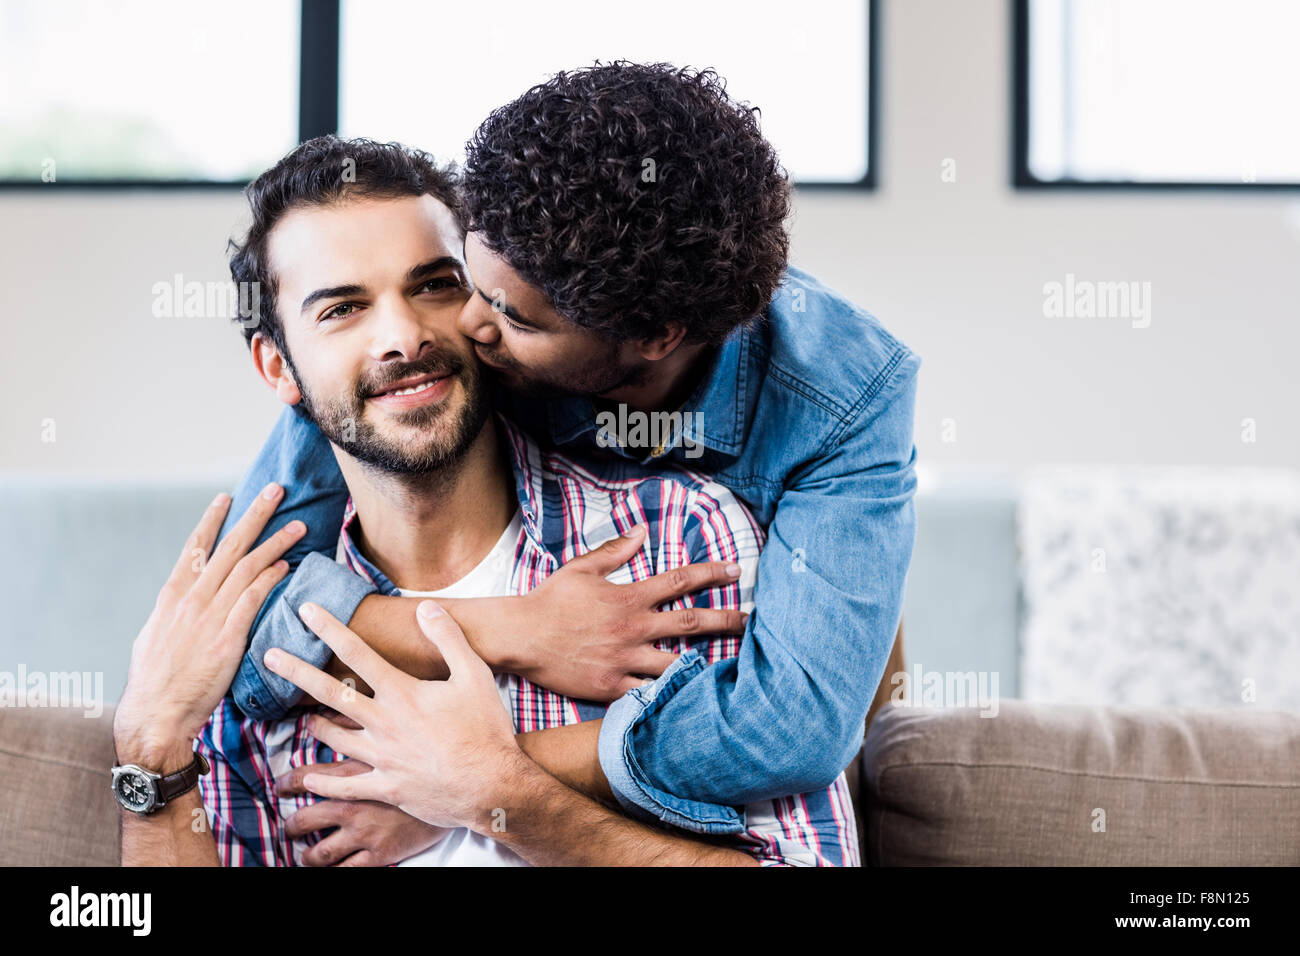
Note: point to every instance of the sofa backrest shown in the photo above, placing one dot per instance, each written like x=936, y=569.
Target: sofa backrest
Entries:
x=56, y=805
x=86, y=559
x=82, y=568
x=1059, y=784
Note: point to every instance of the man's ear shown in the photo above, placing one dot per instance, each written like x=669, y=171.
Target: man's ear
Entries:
x=662, y=345
x=270, y=364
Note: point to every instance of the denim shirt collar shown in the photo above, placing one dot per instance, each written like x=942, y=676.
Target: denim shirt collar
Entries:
x=723, y=400
x=525, y=460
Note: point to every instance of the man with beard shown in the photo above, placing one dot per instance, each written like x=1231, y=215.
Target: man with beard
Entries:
x=363, y=283
x=628, y=249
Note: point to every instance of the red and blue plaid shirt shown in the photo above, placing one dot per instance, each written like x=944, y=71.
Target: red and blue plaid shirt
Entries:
x=567, y=506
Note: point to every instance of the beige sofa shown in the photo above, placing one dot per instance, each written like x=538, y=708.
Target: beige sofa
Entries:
x=1036, y=785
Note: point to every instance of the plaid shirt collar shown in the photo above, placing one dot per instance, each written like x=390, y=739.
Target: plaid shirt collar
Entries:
x=525, y=461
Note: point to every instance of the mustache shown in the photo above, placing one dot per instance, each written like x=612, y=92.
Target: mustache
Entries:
x=440, y=365
x=486, y=356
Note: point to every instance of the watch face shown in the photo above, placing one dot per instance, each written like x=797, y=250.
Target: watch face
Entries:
x=134, y=790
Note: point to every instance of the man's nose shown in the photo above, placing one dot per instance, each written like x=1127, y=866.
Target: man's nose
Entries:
x=401, y=333
x=477, y=321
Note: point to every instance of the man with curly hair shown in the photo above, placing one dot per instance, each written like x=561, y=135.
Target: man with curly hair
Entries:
x=446, y=502
x=627, y=245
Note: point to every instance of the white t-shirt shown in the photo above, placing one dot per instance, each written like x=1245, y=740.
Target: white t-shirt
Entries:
x=459, y=847
x=490, y=578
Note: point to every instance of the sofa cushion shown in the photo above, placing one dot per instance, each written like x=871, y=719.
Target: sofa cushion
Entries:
x=1046, y=784
x=56, y=805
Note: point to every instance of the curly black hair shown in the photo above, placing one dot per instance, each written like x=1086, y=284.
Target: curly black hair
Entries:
x=321, y=171
x=633, y=195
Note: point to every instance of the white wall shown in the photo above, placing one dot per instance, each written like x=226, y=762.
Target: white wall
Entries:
x=955, y=269
x=958, y=269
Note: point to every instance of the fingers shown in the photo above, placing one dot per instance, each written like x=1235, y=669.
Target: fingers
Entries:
x=695, y=621
x=241, y=617
x=647, y=666
x=342, y=721
x=361, y=858
x=350, y=649
x=258, y=560
x=668, y=586
x=354, y=743
x=237, y=542
x=611, y=555
x=651, y=662
x=333, y=849
x=628, y=683
x=290, y=784
x=336, y=668
x=199, y=544
x=362, y=786
x=320, y=685
x=321, y=815
x=460, y=658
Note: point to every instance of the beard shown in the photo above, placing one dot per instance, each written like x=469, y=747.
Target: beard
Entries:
x=442, y=435
x=596, y=377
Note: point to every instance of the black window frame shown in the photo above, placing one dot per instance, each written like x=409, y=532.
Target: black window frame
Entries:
x=1023, y=179
x=318, y=25
x=871, y=181
x=318, y=106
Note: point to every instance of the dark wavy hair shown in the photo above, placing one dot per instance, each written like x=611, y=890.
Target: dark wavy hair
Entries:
x=321, y=171
x=631, y=195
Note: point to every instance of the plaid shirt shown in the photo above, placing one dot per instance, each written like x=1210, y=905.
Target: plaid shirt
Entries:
x=567, y=506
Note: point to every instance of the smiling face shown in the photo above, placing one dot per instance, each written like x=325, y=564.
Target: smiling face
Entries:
x=368, y=291
x=528, y=345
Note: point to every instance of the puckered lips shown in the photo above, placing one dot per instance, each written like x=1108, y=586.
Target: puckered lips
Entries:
x=414, y=391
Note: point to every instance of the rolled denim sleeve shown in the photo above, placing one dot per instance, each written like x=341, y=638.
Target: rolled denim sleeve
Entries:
x=257, y=691
x=300, y=459
x=787, y=714
x=638, y=795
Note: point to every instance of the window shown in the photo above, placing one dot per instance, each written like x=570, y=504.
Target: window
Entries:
x=146, y=90
x=427, y=76
x=152, y=92
x=1157, y=93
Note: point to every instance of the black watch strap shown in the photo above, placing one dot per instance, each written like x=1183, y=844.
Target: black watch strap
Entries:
x=184, y=780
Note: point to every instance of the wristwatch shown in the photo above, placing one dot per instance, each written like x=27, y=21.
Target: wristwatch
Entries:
x=143, y=791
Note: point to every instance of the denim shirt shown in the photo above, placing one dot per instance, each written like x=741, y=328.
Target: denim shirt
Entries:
x=806, y=414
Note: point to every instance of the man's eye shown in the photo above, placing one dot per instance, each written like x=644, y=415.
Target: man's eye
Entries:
x=514, y=325
x=440, y=284
x=338, y=311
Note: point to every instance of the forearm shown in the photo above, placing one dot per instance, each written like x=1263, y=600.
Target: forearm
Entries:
x=570, y=754
x=176, y=835
x=549, y=824
x=388, y=624
x=786, y=714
